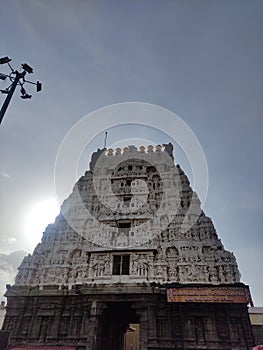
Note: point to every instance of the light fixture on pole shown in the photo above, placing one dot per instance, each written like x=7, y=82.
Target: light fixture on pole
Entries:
x=16, y=78
x=4, y=60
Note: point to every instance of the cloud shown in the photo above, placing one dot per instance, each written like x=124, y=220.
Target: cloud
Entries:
x=8, y=268
x=4, y=174
x=8, y=245
x=11, y=240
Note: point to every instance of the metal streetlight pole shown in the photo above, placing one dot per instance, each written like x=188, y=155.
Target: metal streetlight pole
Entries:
x=9, y=96
x=16, y=78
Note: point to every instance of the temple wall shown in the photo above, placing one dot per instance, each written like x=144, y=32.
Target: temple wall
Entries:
x=131, y=227
x=77, y=320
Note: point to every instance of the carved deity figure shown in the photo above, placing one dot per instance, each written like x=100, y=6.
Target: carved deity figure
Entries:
x=95, y=156
x=168, y=147
x=134, y=264
x=213, y=274
x=107, y=265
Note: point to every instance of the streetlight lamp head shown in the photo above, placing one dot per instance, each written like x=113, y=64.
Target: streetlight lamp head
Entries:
x=26, y=96
x=27, y=68
x=4, y=60
x=39, y=86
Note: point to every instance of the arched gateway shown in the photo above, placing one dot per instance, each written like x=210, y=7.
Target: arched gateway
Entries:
x=131, y=262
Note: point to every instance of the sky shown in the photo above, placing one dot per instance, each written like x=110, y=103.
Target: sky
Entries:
x=201, y=60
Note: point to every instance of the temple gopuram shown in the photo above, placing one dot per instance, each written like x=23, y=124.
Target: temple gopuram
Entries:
x=131, y=262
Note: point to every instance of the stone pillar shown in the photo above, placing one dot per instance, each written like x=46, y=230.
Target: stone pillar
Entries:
x=85, y=319
x=95, y=312
x=152, y=312
x=142, y=312
x=54, y=331
x=35, y=319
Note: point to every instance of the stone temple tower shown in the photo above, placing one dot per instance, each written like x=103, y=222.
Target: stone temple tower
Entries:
x=132, y=262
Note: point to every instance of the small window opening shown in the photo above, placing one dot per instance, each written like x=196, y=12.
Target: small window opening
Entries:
x=124, y=224
x=124, y=227
x=127, y=201
x=121, y=264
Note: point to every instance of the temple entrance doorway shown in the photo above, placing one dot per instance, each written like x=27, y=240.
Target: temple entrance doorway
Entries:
x=119, y=327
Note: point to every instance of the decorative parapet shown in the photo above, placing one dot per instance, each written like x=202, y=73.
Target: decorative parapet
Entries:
x=168, y=148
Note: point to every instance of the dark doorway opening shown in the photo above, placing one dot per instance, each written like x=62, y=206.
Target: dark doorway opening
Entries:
x=117, y=319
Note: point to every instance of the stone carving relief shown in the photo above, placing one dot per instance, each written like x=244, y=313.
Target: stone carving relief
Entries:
x=195, y=255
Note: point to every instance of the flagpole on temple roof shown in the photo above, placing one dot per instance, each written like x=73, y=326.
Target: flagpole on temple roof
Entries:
x=105, y=139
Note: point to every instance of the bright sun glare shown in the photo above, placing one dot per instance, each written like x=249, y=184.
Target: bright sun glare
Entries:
x=38, y=217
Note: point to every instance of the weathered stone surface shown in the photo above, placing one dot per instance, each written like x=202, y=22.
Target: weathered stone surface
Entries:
x=95, y=317
x=131, y=226
x=70, y=251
